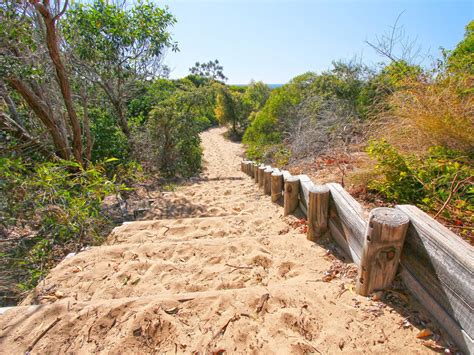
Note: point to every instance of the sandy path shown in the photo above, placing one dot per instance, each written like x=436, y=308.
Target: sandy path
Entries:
x=221, y=270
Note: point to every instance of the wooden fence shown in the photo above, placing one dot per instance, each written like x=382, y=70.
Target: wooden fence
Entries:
x=436, y=266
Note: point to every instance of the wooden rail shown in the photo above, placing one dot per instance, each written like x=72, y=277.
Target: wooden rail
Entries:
x=436, y=266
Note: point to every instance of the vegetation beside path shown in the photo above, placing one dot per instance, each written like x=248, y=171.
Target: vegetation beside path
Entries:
x=394, y=133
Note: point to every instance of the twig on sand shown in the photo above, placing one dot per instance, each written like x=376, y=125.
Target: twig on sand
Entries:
x=43, y=333
x=239, y=267
x=236, y=267
x=263, y=300
x=224, y=327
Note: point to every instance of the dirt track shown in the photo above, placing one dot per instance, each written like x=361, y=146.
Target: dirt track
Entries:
x=222, y=270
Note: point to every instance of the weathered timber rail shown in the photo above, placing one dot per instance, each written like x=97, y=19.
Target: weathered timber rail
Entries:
x=436, y=266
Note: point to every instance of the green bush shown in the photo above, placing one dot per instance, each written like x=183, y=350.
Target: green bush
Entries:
x=60, y=203
x=174, y=139
x=202, y=123
x=429, y=181
x=108, y=140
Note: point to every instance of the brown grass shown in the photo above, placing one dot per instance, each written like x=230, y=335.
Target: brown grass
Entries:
x=425, y=114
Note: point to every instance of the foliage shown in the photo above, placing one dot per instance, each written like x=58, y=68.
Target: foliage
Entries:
x=225, y=110
x=442, y=177
x=173, y=130
x=61, y=202
x=108, y=140
x=461, y=59
x=113, y=46
x=210, y=70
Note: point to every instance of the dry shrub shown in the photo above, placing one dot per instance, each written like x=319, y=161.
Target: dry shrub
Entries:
x=324, y=125
x=425, y=114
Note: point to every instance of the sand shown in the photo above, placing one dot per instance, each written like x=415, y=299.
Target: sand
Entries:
x=217, y=270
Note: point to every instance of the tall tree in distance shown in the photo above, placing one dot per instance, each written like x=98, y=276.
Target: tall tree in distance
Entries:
x=210, y=70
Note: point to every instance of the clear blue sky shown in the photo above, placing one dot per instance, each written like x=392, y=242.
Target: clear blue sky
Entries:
x=275, y=40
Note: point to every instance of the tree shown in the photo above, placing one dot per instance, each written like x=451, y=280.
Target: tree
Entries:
x=211, y=70
x=461, y=59
x=225, y=109
x=256, y=95
x=29, y=31
x=113, y=46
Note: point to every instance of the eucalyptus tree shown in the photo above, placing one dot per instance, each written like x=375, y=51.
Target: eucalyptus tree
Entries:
x=31, y=63
x=211, y=70
x=114, y=45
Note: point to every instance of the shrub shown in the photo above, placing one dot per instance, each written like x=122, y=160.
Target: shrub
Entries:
x=174, y=139
x=59, y=203
x=440, y=181
x=428, y=114
x=108, y=140
x=202, y=123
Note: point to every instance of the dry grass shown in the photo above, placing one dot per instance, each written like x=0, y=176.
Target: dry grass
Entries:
x=425, y=114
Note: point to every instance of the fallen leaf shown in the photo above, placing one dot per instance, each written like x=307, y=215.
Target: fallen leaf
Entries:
x=433, y=345
x=59, y=294
x=126, y=279
x=328, y=278
x=172, y=310
x=424, y=333
x=77, y=269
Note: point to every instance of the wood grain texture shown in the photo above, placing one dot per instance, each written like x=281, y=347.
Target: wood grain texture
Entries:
x=350, y=215
x=277, y=185
x=267, y=181
x=318, y=211
x=255, y=172
x=383, y=245
x=290, y=201
x=305, y=185
x=450, y=325
x=250, y=168
x=443, y=264
x=261, y=175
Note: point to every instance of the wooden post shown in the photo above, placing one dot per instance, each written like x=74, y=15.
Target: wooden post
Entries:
x=261, y=174
x=318, y=211
x=277, y=185
x=255, y=172
x=267, y=180
x=383, y=245
x=292, y=186
x=250, y=169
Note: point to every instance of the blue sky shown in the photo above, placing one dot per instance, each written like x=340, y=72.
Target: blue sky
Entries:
x=275, y=40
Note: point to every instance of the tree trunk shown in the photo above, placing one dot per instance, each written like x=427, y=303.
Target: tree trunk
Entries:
x=123, y=123
x=87, y=129
x=52, y=42
x=59, y=141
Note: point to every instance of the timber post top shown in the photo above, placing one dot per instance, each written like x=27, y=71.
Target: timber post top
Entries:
x=318, y=189
x=389, y=216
